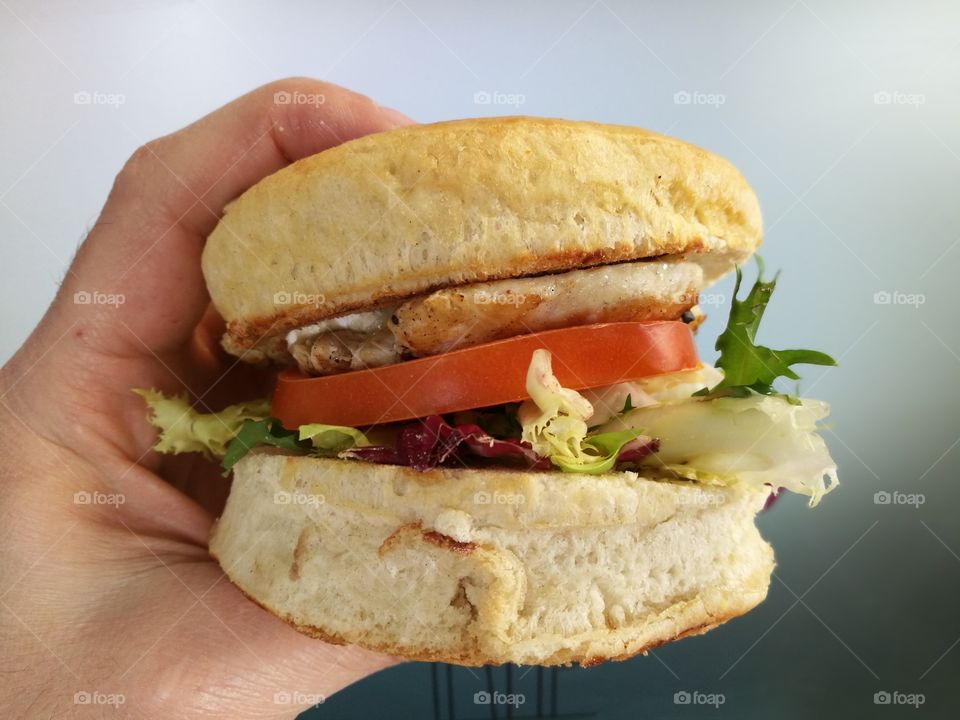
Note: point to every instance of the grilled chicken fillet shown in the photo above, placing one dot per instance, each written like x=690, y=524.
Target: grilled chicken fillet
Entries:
x=472, y=314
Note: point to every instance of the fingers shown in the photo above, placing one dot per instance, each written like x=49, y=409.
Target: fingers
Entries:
x=139, y=270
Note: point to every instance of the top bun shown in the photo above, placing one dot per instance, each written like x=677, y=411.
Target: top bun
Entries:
x=408, y=211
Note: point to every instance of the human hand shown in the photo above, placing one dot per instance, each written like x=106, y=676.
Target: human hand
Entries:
x=117, y=597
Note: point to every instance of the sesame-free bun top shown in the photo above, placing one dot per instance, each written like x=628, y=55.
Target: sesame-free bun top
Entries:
x=405, y=212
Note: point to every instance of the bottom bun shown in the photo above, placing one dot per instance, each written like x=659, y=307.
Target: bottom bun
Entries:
x=488, y=566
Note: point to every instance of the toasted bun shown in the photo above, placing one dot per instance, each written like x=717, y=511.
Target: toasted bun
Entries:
x=408, y=211
x=489, y=566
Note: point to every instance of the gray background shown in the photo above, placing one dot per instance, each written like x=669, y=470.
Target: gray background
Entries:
x=844, y=118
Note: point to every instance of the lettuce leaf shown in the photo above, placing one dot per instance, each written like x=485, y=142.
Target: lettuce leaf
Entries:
x=755, y=440
x=602, y=451
x=183, y=429
x=256, y=433
x=314, y=439
x=332, y=438
x=748, y=367
x=234, y=431
x=554, y=423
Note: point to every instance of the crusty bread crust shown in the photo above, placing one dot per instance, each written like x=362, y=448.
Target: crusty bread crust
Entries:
x=489, y=566
x=415, y=209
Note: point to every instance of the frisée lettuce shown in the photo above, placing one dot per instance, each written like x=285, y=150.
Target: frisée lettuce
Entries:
x=231, y=433
x=554, y=423
x=183, y=429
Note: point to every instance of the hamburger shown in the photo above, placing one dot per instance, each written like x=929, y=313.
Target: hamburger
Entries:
x=491, y=439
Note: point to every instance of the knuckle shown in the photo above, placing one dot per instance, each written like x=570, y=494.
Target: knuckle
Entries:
x=141, y=160
x=139, y=171
x=291, y=85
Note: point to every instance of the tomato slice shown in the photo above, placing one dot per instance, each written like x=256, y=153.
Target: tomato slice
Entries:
x=583, y=357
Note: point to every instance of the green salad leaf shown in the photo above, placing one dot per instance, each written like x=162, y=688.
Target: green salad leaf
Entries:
x=314, y=439
x=554, y=423
x=332, y=439
x=749, y=367
x=183, y=429
x=231, y=433
x=599, y=452
x=255, y=433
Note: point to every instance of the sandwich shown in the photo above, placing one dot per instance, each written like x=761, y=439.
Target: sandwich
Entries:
x=491, y=437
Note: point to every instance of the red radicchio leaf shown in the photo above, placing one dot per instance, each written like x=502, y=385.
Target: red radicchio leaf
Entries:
x=484, y=445
x=638, y=448
x=433, y=442
x=771, y=498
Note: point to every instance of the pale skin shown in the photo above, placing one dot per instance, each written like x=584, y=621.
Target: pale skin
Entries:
x=118, y=596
